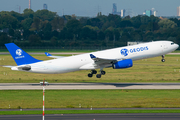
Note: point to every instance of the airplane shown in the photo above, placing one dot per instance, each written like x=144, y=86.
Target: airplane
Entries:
x=117, y=58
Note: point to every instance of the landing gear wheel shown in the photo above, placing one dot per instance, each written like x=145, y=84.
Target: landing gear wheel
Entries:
x=93, y=72
x=103, y=72
x=163, y=60
x=98, y=75
x=90, y=75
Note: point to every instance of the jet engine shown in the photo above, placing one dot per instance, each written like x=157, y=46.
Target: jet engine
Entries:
x=123, y=64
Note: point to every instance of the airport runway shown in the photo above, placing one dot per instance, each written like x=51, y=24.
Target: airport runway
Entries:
x=86, y=86
x=137, y=116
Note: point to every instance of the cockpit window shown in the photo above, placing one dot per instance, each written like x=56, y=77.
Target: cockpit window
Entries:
x=172, y=43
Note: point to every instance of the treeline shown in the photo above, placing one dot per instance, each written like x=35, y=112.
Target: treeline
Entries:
x=46, y=28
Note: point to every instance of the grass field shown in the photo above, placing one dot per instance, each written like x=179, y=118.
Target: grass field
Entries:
x=85, y=112
x=146, y=70
x=87, y=98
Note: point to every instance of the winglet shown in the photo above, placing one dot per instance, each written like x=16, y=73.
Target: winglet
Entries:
x=19, y=55
x=47, y=54
x=92, y=56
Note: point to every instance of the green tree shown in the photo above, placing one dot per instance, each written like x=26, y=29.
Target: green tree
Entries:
x=85, y=33
x=4, y=39
x=8, y=21
x=26, y=24
x=54, y=41
x=45, y=15
x=125, y=23
x=18, y=16
x=176, y=21
x=109, y=35
x=47, y=27
x=34, y=40
x=116, y=34
x=101, y=35
x=136, y=21
x=17, y=35
x=28, y=13
x=83, y=20
x=95, y=22
x=74, y=27
x=36, y=24
x=26, y=34
x=114, y=20
x=92, y=28
x=57, y=23
x=11, y=32
x=167, y=24
x=47, y=31
x=93, y=35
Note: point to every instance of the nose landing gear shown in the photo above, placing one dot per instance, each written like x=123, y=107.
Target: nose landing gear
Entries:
x=163, y=60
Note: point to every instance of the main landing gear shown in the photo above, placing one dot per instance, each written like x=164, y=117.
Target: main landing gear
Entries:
x=163, y=60
x=92, y=72
x=95, y=72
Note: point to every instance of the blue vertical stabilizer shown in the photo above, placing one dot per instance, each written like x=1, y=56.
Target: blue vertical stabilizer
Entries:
x=19, y=55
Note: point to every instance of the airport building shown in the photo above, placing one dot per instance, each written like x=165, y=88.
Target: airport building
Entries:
x=178, y=11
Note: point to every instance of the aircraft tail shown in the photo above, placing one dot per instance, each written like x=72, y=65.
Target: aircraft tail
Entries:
x=20, y=56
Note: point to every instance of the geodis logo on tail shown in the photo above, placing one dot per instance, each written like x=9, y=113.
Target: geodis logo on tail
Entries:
x=125, y=51
x=19, y=53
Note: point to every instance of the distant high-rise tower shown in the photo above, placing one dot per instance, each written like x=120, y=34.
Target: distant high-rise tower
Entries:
x=114, y=10
x=178, y=11
x=29, y=4
x=155, y=13
x=148, y=13
x=45, y=6
x=123, y=13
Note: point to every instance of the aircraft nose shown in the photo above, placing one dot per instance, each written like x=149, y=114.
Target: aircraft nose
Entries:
x=177, y=46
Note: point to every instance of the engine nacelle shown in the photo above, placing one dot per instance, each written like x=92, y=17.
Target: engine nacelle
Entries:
x=123, y=64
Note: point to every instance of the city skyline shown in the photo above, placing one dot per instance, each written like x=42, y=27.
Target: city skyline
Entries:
x=92, y=7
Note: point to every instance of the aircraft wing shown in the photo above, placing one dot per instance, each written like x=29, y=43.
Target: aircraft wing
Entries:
x=56, y=57
x=99, y=61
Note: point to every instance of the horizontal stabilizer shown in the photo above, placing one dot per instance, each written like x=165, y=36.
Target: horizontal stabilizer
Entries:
x=49, y=55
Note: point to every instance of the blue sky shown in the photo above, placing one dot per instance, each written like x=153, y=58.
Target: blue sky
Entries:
x=91, y=7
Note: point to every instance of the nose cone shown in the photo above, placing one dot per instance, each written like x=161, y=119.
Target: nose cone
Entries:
x=176, y=46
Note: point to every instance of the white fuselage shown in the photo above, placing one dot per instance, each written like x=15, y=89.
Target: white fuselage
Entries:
x=84, y=61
